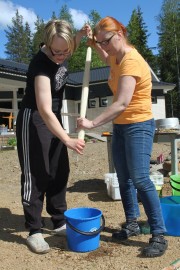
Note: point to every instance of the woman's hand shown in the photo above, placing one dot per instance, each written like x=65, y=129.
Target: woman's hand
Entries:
x=83, y=32
x=76, y=145
x=83, y=123
x=86, y=30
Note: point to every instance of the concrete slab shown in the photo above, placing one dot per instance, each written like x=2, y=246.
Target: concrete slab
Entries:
x=96, y=136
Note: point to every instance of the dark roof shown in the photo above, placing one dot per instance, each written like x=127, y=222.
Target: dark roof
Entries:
x=100, y=74
x=13, y=67
x=75, y=78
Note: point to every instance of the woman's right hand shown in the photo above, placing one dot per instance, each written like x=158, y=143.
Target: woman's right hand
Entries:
x=76, y=145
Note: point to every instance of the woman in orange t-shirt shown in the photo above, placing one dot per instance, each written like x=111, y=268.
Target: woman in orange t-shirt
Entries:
x=133, y=131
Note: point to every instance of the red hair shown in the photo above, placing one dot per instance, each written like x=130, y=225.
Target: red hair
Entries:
x=110, y=24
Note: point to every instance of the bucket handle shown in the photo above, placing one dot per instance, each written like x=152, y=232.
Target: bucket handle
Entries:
x=177, y=189
x=88, y=233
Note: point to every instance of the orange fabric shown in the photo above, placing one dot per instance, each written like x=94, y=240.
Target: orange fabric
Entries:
x=140, y=107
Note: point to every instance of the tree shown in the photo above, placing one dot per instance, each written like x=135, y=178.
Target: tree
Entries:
x=77, y=62
x=53, y=17
x=138, y=36
x=65, y=15
x=38, y=35
x=94, y=19
x=28, y=44
x=169, y=55
x=19, y=36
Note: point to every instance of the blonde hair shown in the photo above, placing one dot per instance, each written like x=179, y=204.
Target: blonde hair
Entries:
x=62, y=29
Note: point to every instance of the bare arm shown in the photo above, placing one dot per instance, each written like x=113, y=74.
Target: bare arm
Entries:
x=123, y=97
x=102, y=54
x=84, y=31
x=44, y=104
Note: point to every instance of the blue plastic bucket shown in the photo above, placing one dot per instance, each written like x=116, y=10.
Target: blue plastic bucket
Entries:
x=171, y=213
x=83, y=228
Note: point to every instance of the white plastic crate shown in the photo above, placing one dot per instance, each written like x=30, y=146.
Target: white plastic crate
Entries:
x=157, y=178
x=112, y=186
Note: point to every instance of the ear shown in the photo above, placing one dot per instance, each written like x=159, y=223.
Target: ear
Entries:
x=120, y=34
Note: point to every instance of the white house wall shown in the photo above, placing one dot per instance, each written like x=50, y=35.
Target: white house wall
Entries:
x=159, y=108
x=70, y=106
x=93, y=112
x=69, y=122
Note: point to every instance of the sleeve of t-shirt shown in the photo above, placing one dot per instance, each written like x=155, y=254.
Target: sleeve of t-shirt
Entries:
x=130, y=67
x=40, y=68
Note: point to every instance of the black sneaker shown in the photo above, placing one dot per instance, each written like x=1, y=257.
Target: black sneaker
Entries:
x=131, y=229
x=157, y=247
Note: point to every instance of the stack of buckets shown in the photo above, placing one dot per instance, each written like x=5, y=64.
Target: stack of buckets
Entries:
x=171, y=207
x=175, y=184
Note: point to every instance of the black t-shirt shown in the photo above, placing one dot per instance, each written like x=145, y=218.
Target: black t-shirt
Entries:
x=42, y=65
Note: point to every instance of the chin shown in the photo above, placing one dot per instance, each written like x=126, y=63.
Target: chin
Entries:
x=59, y=62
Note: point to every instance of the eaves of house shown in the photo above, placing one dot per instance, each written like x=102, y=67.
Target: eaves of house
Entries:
x=13, y=74
x=100, y=75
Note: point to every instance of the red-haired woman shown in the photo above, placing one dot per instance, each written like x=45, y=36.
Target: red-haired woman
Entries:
x=133, y=131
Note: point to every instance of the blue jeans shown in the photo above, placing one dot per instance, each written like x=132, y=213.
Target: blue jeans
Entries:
x=131, y=149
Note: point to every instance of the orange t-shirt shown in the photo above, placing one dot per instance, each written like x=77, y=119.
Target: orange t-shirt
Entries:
x=140, y=107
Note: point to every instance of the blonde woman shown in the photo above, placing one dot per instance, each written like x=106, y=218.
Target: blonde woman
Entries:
x=41, y=140
x=133, y=131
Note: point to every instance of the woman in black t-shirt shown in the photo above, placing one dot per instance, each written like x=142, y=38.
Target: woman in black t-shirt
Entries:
x=41, y=140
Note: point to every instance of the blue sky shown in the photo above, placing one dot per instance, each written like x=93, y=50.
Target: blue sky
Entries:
x=80, y=9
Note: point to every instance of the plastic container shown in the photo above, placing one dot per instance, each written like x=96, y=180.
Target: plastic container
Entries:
x=159, y=190
x=112, y=185
x=83, y=228
x=175, y=184
x=144, y=227
x=3, y=130
x=167, y=123
x=157, y=178
x=171, y=213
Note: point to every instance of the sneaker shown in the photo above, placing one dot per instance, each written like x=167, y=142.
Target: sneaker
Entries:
x=37, y=243
x=157, y=247
x=60, y=231
x=131, y=229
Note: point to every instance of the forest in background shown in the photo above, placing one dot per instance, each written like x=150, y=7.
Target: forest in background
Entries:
x=22, y=44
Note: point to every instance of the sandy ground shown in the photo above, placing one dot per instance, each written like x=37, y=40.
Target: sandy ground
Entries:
x=86, y=189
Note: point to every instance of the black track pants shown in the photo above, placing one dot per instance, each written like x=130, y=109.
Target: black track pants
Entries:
x=45, y=169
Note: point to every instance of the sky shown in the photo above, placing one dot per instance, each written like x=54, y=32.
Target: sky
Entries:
x=79, y=9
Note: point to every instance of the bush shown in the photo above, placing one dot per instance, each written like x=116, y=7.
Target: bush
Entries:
x=12, y=142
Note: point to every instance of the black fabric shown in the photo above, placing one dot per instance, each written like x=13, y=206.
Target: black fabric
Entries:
x=45, y=170
x=43, y=157
x=42, y=65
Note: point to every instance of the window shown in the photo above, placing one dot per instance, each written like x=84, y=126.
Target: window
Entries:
x=79, y=107
x=91, y=103
x=103, y=102
x=154, y=100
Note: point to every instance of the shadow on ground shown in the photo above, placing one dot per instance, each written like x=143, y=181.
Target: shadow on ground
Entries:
x=95, y=188
x=10, y=224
